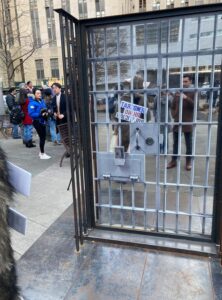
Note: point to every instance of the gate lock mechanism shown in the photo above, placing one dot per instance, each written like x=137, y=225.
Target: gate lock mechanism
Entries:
x=149, y=141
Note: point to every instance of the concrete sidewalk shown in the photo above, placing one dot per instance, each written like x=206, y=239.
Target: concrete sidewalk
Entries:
x=49, y=196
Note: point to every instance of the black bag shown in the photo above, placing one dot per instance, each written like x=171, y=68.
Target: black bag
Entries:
x=16, y=115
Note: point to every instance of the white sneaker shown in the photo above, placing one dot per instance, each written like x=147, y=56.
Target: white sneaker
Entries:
x=44, y=156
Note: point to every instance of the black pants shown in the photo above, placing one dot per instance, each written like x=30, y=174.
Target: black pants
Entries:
x=188, y=141
x=41, y=130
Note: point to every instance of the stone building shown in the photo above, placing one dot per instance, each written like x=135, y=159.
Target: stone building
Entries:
x=31, y=28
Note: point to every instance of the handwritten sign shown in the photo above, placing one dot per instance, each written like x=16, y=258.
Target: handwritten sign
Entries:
x=131, y=112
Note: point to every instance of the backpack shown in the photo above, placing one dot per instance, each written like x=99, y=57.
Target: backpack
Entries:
x=16, y=115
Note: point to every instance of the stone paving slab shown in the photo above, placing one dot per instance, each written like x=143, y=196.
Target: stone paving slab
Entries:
x=52, y=270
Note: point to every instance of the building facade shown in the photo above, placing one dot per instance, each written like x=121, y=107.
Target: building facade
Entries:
x=30, y=34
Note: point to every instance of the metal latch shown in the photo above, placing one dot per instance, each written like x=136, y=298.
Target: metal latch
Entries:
x=134, y=178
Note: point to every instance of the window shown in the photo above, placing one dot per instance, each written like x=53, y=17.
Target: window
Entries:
x=184, y=2
x=142, y=5
x=8, y=23
x=156, y=5
x=50, y=22
x=83, y=9
x=153, y=32
x=54, y=67
x=170, y=4
x=35, y=23
x=39, y=69
x=174, y=30
x=65, y=5
x=100, y=8
x=140, y=35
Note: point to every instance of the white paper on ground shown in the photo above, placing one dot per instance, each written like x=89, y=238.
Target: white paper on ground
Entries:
x=16, y=220
x=20, y=179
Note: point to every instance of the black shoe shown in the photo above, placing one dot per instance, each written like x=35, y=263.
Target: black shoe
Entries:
x=16, y=137
x=30, y=144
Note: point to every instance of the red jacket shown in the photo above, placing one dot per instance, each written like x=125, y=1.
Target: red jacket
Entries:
x=27, y=120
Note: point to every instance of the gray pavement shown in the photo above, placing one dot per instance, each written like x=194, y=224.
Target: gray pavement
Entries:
x=49, y=197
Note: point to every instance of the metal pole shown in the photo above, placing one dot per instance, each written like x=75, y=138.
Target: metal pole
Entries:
x=85, y=121
x=70, y=137
x=217, y=220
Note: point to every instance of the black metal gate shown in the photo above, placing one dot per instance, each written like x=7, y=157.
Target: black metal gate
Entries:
x=124, y=76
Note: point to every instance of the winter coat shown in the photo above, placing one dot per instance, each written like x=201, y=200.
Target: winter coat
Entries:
x=187, y=111
x=35, y=108
x=27, y=120
x=62, y=109
x=10, y=100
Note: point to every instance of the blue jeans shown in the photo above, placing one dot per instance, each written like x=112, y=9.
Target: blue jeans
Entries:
x=15, y=131
x=52, y=128
x=27, y=133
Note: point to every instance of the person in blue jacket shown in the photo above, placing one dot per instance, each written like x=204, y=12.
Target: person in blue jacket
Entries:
x=38, y=112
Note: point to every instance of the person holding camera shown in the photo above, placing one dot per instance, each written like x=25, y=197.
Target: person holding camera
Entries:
x=39, y=114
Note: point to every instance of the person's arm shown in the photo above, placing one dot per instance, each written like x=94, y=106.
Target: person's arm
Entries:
x=189, y=99
x=175, y=107
x=62, y=107
x=33, y=111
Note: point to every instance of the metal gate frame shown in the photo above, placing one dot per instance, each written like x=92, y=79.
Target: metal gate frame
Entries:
x=74, y=55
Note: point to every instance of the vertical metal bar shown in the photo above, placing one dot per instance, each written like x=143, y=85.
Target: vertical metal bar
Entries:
x=145, y=205
x=217, y=220
x=133, y=204
x=180, y=131
x=78, y=154
x=209, y=129
x=158, y=166
x=71, y=120
x=121, y=204
x=110, y=204
x=166, y=131
x=145, y=121
x=106, y=93
x=75, y=209
x=93, y=129
x=85, y=120
x=159, y=82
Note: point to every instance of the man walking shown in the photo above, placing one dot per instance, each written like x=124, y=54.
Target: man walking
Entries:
x=10, y=100
x=187, y=116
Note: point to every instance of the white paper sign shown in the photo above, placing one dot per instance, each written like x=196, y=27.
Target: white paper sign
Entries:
x=20, y=179
x=131, y=112
x=17, y=221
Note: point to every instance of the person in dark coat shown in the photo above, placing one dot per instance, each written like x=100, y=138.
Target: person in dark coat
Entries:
x=59, y=104
x=187, y=116
x=10, y=101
